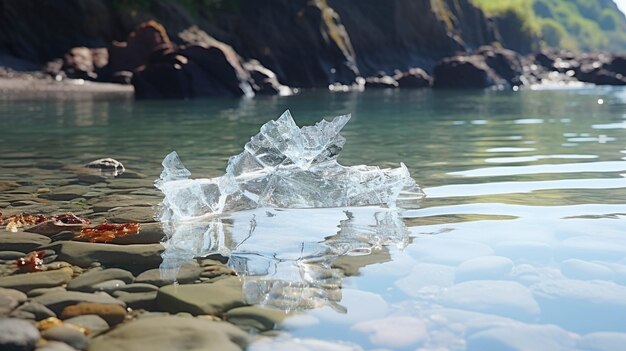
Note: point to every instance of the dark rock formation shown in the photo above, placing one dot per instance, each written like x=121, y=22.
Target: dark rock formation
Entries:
x=467, y=71
x=414, y=78
x=40, y=31
x=264, y=81
x=381, y=81
x=600, y=75
x=144, y=41
x=85, y=63
x=200, y=51
x=617, y=65
x=303, y=42
x=200, y=68
x=403, y=34
x=306, y=43
x=545, y=58
x=505, y=63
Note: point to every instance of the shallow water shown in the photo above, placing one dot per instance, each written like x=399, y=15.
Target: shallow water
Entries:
x=520, y=241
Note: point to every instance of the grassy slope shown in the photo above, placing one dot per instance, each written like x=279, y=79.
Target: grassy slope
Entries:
x=571, y=24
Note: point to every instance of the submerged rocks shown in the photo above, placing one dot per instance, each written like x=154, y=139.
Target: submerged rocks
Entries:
x=187, y=273
x=213, y=298
x=255, y=318
x=137, y=257
x=107, y=166
x=172, y=333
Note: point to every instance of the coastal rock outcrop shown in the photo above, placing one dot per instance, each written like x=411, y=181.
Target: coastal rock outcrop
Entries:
x=414, y=78
x=241, y=48
x=204, y=67
x=467, y=71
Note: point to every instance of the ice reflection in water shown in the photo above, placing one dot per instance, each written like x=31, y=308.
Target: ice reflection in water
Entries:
x=286, y=257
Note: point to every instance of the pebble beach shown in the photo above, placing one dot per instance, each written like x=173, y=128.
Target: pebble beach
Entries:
x=109, y=295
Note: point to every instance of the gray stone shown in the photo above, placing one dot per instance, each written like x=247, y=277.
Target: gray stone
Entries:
x=213, y=298
x=29, y=281
x=253, y=318
x=11, y=255
x=109, y=285
x=522, y=337
x=112, y=314
x=94, y=323
x=37, y=310
x=131, y=257
x=22, y=315
x=188, y=273
x=172, y=333
x=6, y=185
x=128, y=174
x=88, y=282
x=148, y=314
x=17, y=335
x=130, y=183
x=142, y=300
x=55, y=346
x=58, y=300
x=137, y=288
x=114, y=201
x=65, y=193
x=71, y=336
x=149, y=233
x=21, y=241
x=42, y=291
x=130, y=214
x=213, y=271
x=22, y=203
x=90, y=178
x=9, y=300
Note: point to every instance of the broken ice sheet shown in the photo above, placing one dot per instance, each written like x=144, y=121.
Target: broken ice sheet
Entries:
x=284, y=212
x=285, y=167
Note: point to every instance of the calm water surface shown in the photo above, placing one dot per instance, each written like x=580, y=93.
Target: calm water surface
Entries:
x=520, y=242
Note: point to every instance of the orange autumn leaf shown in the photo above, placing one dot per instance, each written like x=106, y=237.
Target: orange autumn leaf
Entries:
x=106, y=232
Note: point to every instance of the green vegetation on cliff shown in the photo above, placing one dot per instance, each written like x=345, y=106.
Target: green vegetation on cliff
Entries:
x=572, y=24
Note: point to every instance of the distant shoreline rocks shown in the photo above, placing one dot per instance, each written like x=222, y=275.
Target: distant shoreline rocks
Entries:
x=202, y=66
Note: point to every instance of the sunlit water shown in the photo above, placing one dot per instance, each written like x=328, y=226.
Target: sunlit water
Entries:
x=520, y=242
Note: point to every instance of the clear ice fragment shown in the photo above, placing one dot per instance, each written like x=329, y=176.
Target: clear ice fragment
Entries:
x=285, y=213
x=283, y=166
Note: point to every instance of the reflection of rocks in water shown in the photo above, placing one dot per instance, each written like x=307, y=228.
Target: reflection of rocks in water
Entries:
x=289, y=258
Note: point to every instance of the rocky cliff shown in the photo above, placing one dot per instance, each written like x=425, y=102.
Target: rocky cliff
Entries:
x=191, y=48
x=308, y=43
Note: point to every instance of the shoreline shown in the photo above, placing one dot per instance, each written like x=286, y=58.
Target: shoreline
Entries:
x=27, y=85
